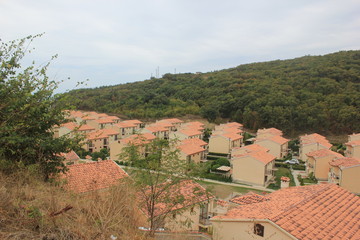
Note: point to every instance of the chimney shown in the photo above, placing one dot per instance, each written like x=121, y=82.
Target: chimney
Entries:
x=285, y=181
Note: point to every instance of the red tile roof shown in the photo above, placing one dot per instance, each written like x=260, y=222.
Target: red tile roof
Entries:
x=163, y=124
x=194, y=141
x=276, y=138
x=316, y=212
x=154, y=129
x=139, y=139
x=353, y=143
x=190, y=132
x=92, y=176
x=315, y=138
x=70, y=156
x=125, y=125
x=345, y=162
x=134, y=121
x=86, y=127
x=323, y=153
x=191, y=192
x=261, y=156
x=99, y=134
x=104, y=120
x=251, y=148
x=70, y=125
x=232, y=136
x=273, y=131
x=248, y=198
x=190, y=149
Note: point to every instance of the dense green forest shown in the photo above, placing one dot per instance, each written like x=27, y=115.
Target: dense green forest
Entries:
x=311, y=93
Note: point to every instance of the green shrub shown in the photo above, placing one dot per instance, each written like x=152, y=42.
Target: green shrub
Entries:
x=298, y=167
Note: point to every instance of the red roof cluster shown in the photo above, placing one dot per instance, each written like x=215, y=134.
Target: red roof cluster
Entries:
x=248, y=198
x=316, y=212
x=261, y=156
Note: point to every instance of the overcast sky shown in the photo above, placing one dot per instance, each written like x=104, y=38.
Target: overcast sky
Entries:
x=111, y=42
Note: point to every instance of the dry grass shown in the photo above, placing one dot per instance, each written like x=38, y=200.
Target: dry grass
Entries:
x=32, y=209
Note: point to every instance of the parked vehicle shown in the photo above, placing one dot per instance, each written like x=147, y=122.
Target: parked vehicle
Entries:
x=292, y=161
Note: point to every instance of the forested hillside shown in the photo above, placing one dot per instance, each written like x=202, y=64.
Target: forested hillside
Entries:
x=311, y=93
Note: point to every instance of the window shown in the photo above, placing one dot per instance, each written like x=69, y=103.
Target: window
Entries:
x=259, y=229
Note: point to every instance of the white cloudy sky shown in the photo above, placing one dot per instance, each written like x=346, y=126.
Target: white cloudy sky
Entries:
x=117, y=41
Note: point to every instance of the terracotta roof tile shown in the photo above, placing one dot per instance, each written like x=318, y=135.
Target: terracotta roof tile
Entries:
x=232, y=136
x=317, y=212
x=87, y=177
x=125, y=125
x=134, y=121
x=276, y=138
x=273, y=131
x=154, y=129
x=353, y=143
x=86, y=127
x=139, y=139
x=315, y=138
x=70, y=156
x=99, y=134
x=190, y=149
x=323, y=153
x=190, y=132
x=261, y=156
x=345, y=162
x=248, y=198
x=249, y=148
x=104, y=120
x=194, y=141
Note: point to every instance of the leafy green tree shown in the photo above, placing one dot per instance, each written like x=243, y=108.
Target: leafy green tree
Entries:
x=155, y=175
x=28, y=112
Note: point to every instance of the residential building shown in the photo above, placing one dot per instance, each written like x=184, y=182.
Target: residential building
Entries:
x=72, y=128
x=253, y=167
x=312, y=142
x=125, y=128
x=345, y=172
x=100, y=139
x=277, y=145
x=316, y=212
x=101, y=123
x=353, y=149
x=175, y=122
x=194, y=208
x=85, y=177
x=224, y=142
x=182, y=134
x=192, y=153
x=317, y=162
x=139, y=124
x=159, y=131
x=140, y=140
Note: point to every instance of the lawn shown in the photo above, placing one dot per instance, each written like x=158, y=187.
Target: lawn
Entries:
x=280, y=172
x=223, y=191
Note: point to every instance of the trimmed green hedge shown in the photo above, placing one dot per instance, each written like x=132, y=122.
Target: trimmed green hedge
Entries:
x=218, y=154
x=298, y=167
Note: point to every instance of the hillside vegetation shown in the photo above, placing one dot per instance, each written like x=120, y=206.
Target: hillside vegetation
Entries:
x=311, y=93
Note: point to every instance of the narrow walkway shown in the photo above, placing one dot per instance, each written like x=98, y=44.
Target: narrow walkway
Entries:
x=295, y=174
x=237, y=185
